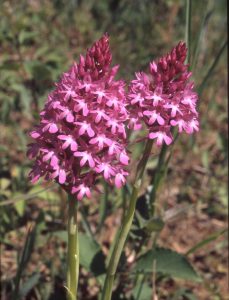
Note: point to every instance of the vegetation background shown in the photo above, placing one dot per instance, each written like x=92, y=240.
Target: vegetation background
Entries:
x=39, y=40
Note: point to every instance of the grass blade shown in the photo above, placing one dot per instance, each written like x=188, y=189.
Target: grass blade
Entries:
x=188, y=28
x=29, y=285
x=198, y=43
x=26, y=253
x=212, y=68
x=24, y=197
x=206, y=241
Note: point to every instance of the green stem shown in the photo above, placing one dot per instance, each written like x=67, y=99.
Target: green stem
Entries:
x=124, y=198
x=161, y=169
x=126, y=225
x=157, y=177
x=73, y=250
x=188, y=28
x=103, y=207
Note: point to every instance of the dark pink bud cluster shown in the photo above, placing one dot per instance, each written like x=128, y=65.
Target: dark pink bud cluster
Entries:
x=164, y=98
x=82, y=134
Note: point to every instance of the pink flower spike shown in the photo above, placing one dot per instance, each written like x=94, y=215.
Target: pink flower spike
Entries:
x=161, y=137
x=62, y=176
x=82, y=191
x=155, y=97
x=86, y=157
x=74, y=136
x=120, y=180
x=169, y=99
x=153, y=117
x=114, y=148
x=60, y=173
x=34, y=134
x=124, y=159
x=51, y=127
x=36, y=172
x=137, y=98
x=135, y=124
x=86, y=85
x=100, y=95
x=85, y=127
x=174, y=109
x=50, y=154
x=69, y=141
x=81, y=106
x=180, y=123
x=68, y=92
x=67, y=114
x=113, y=102
x=106, y=169
x=113, y=124
x=189, y=98
x=192, y=126
x=33, y=150
x=100, y=115
x=101, y=140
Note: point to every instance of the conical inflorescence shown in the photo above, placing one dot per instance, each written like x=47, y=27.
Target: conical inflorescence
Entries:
x=81, y=134
x=164, y=98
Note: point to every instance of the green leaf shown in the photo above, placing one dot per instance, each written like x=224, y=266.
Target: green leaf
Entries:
x=142, y=290
x=4, y=183
x=25, y=97
x=10, y=66
x=184, y=294
x=45, y=194
x=91, y=255
x=20, y=207
x=39, y=71
x=168, y=262
x=61, y=234
x=29, y=284
x=26, y=37
x=154, y=225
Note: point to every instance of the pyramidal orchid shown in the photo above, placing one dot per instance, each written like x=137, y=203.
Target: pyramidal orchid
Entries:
x=82, y=134
x=164, y=98
x=160, y=100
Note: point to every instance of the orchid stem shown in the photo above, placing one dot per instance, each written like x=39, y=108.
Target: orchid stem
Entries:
x=73, y=250
x=157, y=177
x=126, y=225
x=103, y=207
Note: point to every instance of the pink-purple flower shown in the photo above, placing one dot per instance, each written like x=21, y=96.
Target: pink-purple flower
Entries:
x=164, y=98
x=82, y=130
x=82, y=134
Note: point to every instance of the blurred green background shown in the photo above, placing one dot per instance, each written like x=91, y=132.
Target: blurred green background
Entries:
x=38, y=41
